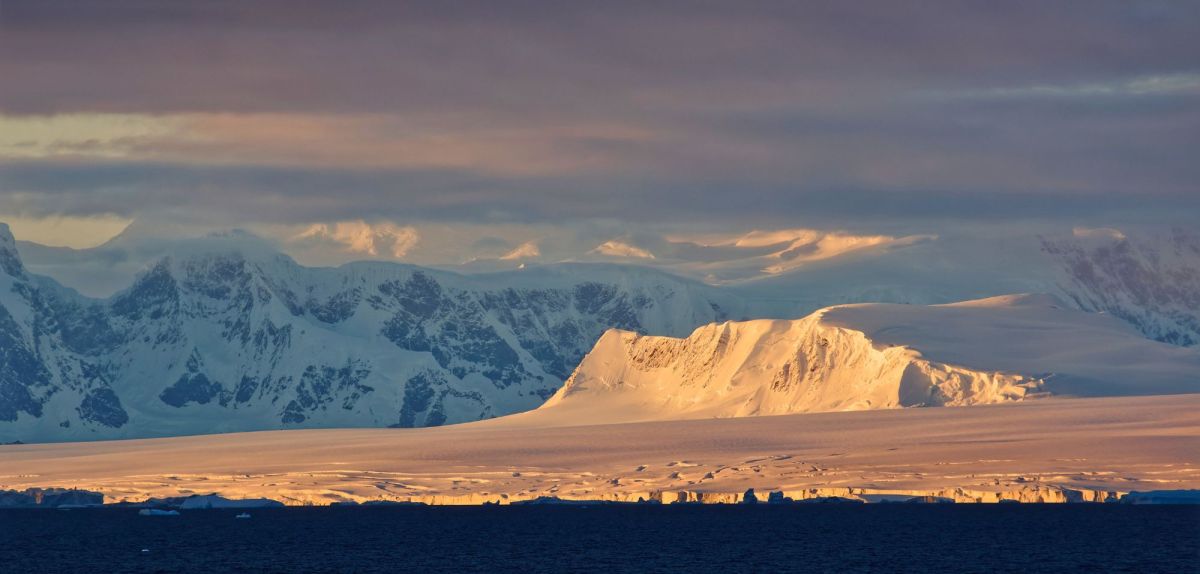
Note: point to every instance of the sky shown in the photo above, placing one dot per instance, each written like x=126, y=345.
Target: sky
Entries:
x=369, y=127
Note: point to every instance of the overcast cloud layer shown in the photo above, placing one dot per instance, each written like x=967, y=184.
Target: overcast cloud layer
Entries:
x=892, y=116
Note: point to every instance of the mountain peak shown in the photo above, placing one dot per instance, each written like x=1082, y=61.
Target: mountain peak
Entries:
x=10, y=259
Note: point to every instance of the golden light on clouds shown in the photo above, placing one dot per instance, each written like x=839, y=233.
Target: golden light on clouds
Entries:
x=350, y=141
x=528, y=250
x=618, y=248
x=362, y=238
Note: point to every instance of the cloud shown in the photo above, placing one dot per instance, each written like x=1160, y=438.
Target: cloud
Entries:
x=110, y=136
x=1099, y=232
x=618, y=248
x=336, y=141
x=551, y=56
x=1175, y=84
x=723, y=115
x=724, y=257
x=236, y=195
x=491, y=244
x=362, y=238
x=527, y=250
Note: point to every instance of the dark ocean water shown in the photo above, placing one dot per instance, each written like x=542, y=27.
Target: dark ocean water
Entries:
x=719, y=539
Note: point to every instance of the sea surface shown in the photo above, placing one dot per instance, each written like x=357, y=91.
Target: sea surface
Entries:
x=721, y=539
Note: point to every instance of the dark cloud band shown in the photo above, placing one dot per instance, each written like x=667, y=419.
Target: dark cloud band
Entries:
x=831, y=111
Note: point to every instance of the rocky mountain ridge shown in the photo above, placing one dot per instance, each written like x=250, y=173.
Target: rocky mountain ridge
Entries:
x=223, y=338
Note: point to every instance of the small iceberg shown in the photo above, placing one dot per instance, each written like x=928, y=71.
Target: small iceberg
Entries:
x=831, y=500
x=205, y=501
x=157, y=512
x=243, y=515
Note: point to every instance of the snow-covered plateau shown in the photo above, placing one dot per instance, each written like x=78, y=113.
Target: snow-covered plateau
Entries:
x=1053, y=450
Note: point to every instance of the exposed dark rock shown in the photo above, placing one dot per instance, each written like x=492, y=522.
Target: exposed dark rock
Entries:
x=193, y=386
x=190, y=388
x=321, y=386
x=337, y=308
x=154, y=295
x=10, y=260
x=102, y=406
x=21, y=370
x=419, y=393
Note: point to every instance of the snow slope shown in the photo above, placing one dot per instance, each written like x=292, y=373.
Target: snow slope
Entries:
x=870, y=356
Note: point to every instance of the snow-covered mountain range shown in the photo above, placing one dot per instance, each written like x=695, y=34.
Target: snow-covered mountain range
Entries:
x=870, y=356
x=224, y=333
